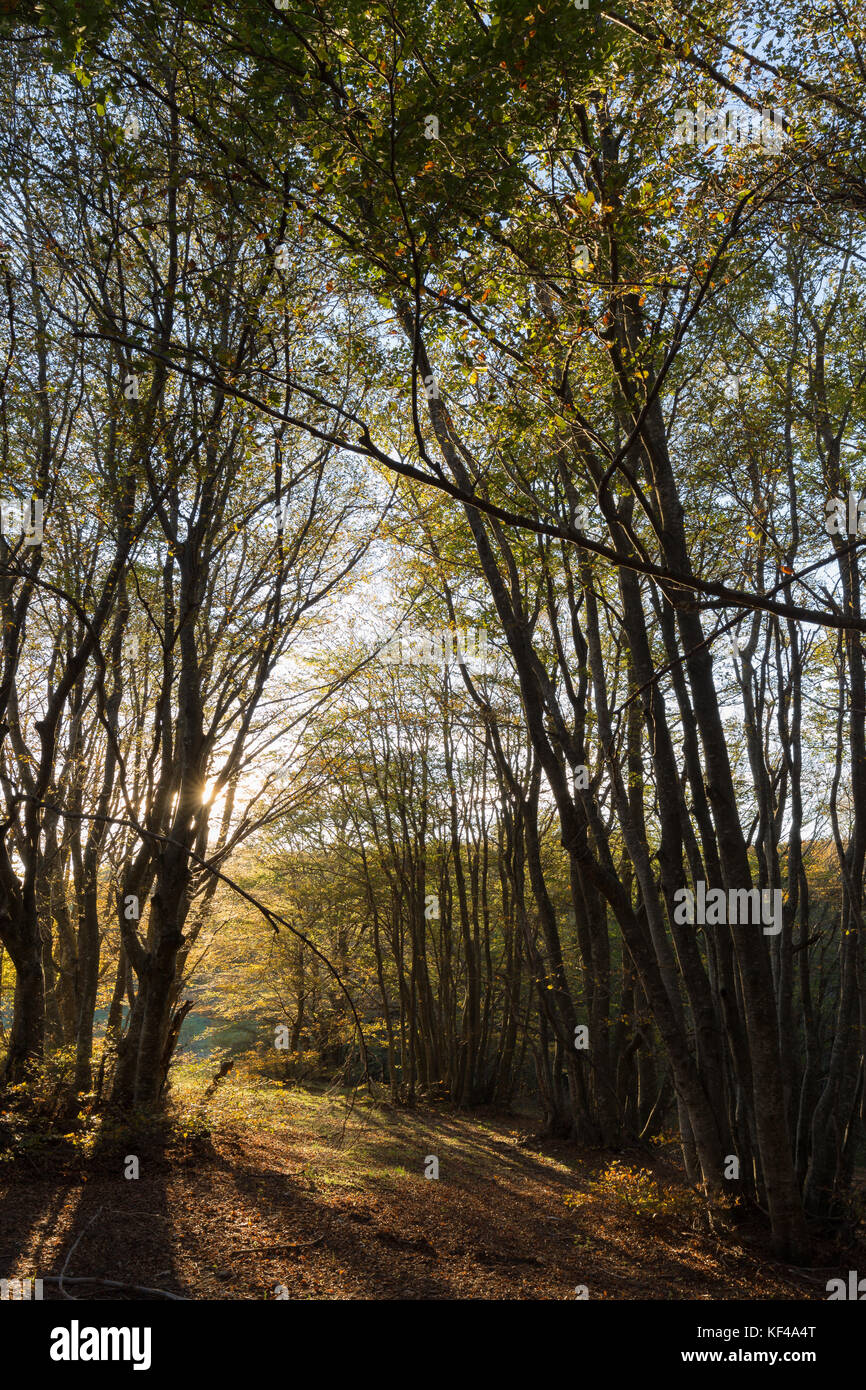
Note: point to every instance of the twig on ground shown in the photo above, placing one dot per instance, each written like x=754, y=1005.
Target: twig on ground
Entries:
x=113, y=1284
x=72, y=1250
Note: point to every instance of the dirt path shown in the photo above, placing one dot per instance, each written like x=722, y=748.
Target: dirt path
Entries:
x=330, y=1208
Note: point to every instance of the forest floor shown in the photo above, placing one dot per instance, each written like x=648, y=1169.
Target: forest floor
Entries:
x=267, y=1185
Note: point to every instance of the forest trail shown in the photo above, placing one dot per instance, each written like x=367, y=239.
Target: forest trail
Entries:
x=281, y=1187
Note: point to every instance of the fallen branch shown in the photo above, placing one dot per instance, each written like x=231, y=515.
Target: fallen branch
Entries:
x=72, y=1250
x=111, y=1284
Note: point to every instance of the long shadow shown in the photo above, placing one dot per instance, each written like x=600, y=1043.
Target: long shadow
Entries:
x=119, y=1233
x=31, y=1206
x=222, y=1221
x=523, y=1162
x=426, y=1241
x=423, y=1241
x=367, y=1259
